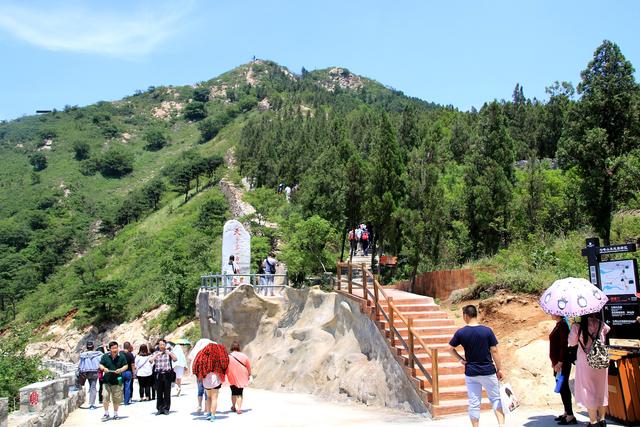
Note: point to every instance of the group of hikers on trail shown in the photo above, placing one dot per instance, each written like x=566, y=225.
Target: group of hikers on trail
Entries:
x=359, y=240
x=115, y=370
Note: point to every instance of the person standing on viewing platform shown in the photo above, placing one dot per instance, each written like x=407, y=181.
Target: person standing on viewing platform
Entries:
x=112, y=364
x=482, y=364
x=163, y=360
x=88, y=371
x=591, y=384
x=271, y=264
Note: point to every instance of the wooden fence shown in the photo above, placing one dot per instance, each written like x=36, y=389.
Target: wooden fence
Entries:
x=439, y=284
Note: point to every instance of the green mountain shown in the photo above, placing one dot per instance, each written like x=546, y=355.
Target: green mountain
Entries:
x=92, y=198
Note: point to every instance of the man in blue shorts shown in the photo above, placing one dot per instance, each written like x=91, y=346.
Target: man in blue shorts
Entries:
x=482, y=366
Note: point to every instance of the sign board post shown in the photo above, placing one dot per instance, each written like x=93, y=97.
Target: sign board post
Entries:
x=618, y=279
x=236, y=241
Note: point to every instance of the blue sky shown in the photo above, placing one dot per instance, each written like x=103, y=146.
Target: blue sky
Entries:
x=454, y=52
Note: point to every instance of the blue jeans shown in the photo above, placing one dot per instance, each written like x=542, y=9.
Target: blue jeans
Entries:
x=201, y=390
x=474, y=391
x=126, y=383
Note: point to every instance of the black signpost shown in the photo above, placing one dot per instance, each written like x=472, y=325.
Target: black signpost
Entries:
x=620, y=284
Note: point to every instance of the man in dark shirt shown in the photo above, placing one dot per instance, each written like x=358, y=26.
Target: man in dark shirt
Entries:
x=480, y=354
x=127, y=376
x=112, y=364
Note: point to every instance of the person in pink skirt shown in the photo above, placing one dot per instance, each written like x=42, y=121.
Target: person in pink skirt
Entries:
x=238, y=374
x=591, y=385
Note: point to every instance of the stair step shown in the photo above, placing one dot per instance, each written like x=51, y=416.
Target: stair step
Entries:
x=445, y=368
x=451, y=380
x=412, y=308
x=455, y=407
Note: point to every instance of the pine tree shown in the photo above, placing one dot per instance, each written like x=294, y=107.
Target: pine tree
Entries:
x=604, y=128
x=489, y=179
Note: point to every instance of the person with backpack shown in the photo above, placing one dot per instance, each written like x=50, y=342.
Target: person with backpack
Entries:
x=270, y=269
x=238, y=374
x=88, y=369
x=352, y=242
x=365, y=240
x=163, y=366
x=591, y=384
x=359, y=240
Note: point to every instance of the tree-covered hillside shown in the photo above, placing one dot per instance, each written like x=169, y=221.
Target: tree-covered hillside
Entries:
x=79, y=187
x=113, y=208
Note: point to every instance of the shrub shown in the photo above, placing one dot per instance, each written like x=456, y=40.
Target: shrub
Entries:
x=213, y=213
x=116, y=162
x=156, y=139
x=81, y=150
x=38, y=160
x=195, y=111
x=89, y=167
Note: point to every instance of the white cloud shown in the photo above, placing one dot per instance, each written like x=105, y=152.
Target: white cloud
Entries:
x=126, y=33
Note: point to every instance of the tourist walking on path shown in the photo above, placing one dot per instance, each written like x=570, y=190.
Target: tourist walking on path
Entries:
x=144, y=372
x=202, y=343
x=179, y=367
x=152, y=350
x=353, y=243
x=112, y=364
x=359, y=240
x=88, y=368
x=127, y=376
x=271, y=264
x=210, y=365
x=365, y=240
x=482, y=364
x=591, y=385
x=561, y=360
x=238, y=374
x=163, y=360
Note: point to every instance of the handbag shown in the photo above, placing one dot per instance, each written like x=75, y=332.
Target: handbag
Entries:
x=508, y=398
x=598, y=354
x=172, y=373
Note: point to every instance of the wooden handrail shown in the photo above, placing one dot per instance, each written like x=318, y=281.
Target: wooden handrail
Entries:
x=413, y=337
x=364, y=285
x=411, y=349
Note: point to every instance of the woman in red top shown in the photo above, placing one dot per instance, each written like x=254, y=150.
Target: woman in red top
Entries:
x=238, y=374
x=559, y=354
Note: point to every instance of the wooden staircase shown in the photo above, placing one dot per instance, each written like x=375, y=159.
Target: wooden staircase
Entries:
x=418, y=333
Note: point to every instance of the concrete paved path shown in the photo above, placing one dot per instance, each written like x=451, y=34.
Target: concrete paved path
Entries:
x=272, y=409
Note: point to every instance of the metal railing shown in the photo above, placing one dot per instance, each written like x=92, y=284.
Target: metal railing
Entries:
x=372, y=292
x=226, y=283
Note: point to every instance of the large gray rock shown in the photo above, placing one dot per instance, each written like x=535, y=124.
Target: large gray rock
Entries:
x=4, y=411
x=309, y=341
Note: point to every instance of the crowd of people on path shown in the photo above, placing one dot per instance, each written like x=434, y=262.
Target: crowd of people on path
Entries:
x=359, y=238
x=111, y=370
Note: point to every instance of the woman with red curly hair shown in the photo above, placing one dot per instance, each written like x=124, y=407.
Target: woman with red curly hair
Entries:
x=210, y=366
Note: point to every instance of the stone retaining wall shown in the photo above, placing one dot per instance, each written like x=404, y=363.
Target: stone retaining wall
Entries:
x=45, y=403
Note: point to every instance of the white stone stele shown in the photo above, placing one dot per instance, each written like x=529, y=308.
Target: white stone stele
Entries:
x=236, y=241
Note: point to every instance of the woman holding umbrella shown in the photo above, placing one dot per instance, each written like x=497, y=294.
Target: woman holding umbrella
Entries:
x=591, y=387
x=573, y=297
